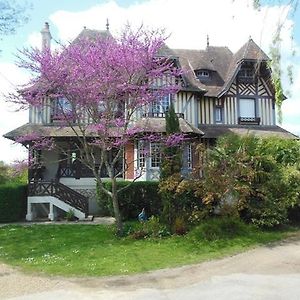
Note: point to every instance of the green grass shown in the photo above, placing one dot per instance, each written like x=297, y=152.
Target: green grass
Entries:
x=94, y=250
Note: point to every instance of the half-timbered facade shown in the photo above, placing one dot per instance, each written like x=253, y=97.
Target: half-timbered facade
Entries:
x=222, y=92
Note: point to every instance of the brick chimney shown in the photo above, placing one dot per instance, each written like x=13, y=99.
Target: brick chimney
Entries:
x=46, y=37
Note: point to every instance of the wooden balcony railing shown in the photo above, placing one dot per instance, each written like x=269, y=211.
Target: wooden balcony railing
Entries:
x=160, y=115
x=249, y=120
x=81, y=172
x=60, y=191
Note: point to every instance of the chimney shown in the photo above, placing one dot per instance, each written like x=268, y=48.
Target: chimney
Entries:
x=46, y=37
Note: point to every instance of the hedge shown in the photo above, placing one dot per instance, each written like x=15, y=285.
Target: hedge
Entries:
x=13, y=199
x=139, y=195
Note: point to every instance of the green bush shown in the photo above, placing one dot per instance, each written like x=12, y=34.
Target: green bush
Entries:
x=152, y=228
x=139, y=195
x=218, y=229
x=13, y=199
x=259, y=176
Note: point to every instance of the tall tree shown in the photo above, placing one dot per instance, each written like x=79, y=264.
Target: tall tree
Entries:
x=103, y=80
x=172, y=154
x=171, y=166
x=12, y=16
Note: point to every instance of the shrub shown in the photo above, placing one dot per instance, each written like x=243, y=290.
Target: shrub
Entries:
x=70, y=215
x=13, y=199
x=198, y=214
x=139, y=195
x=149, y=229
x=258, y=177
x=179, y=226
x=218, y=229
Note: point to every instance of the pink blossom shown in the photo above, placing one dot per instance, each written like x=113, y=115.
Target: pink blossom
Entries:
x=175, y=139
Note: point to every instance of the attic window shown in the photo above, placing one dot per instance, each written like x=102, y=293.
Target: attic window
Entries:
x=246, y=73
x=202, y=74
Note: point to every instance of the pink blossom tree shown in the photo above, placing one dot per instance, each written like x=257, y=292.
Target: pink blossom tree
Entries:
x=105, y=82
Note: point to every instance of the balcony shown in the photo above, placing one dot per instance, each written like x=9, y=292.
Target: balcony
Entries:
x=81, y=171
x=160, y=115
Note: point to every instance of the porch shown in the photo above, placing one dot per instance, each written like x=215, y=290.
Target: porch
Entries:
x=54, y=196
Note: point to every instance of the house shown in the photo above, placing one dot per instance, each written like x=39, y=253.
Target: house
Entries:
x=221, y=92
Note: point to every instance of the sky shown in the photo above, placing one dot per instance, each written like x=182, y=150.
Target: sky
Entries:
x=227, y=22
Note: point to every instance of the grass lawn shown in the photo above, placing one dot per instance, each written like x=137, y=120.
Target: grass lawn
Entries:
x=94, y=250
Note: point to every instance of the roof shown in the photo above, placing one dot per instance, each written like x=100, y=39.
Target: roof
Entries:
x=149, y=125
x=248, y=52
x=92, y=34
x=222, y=63
x=215, y=131
x=157, y=125
x=214, y=59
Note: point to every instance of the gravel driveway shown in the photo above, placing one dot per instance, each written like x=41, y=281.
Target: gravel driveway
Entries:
x=271, y=272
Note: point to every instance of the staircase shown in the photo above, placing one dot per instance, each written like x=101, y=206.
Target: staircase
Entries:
x=58, y=195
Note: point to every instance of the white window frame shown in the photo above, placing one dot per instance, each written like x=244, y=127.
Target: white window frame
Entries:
x=218, y=114
x=161, y=105
x=246, y=73
x=189, y=156
x=141, y=154
x=155, y=155
x=247, y=112
x=61, y=106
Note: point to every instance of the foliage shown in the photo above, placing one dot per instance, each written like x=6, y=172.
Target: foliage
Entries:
x=219, y=229
x=137, y=195
x=116, y=75
x=9, y=174
x=88, y=250
x=255, y=178
x=170, y=169
x=152, y=228
x=13, y=199
x=179, y=226
x=12, y=16
x=172, y=155
x=70, y=215
x=275, y=53
x=3, y=173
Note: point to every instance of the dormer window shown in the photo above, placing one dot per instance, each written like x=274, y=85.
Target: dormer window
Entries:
x=202, y=74
x=246, y=73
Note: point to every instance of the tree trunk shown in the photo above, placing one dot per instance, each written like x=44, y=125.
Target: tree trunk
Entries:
x=116, y=207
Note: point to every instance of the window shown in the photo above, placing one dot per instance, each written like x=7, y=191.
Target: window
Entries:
x=64, y=105
x=155, y=155
x=161, y=105
x=202, y=74
x=141, y=159
x=61, y=107
x=247, y=108
x=189, y=156
x=218, y=114
x=246, y=75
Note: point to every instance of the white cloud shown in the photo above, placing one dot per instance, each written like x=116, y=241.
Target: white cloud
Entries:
x=34, y=40
x=228, y=23
x=10, y=77
x=294, y=128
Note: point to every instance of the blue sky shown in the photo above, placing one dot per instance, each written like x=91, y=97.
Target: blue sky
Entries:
x=228, y=23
